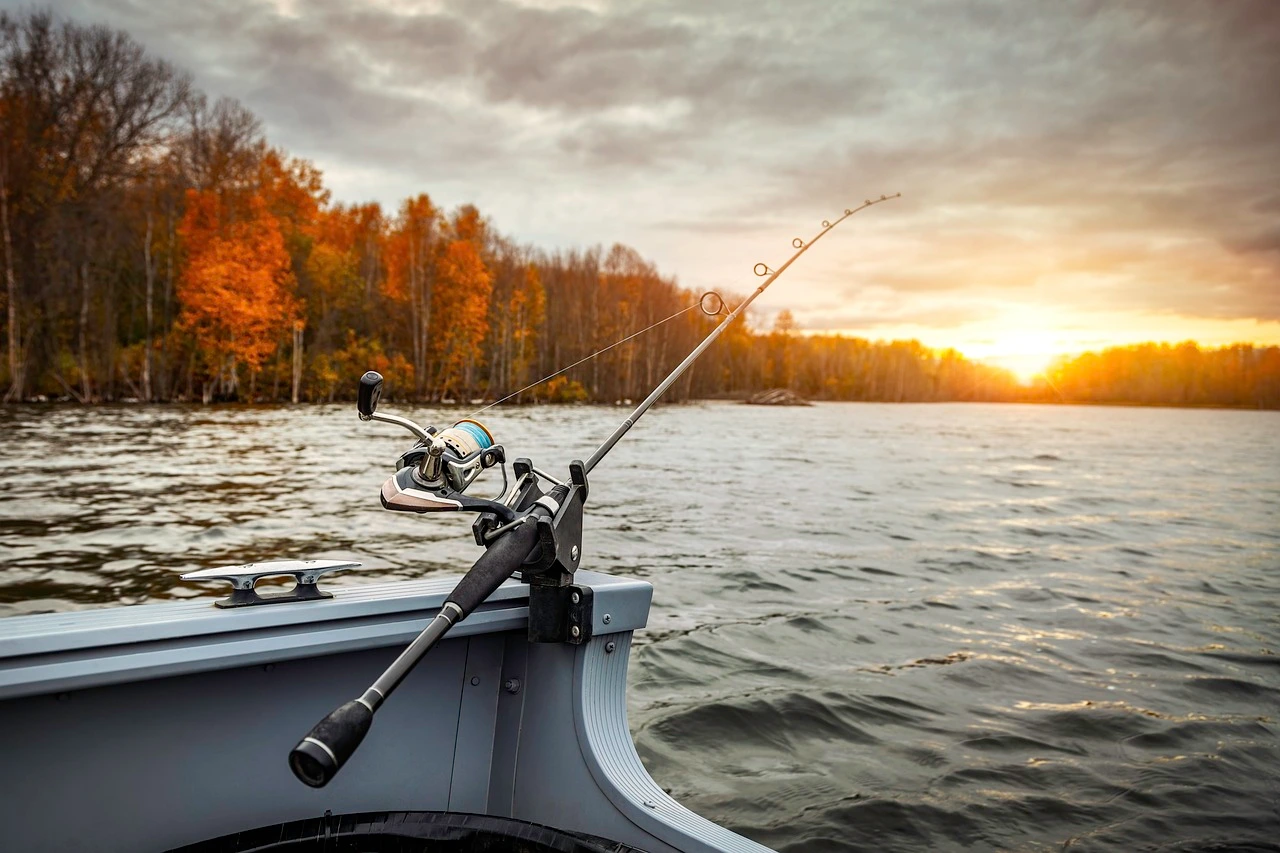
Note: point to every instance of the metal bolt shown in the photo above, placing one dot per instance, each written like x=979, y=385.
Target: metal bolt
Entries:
x=511, y=685
x=475, y=679
x=606, y=619
x=609, y=647
x=573, y=553
x=575, y=598
x=575, y=631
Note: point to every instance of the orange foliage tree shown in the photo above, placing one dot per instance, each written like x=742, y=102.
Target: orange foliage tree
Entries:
x=461, y=299
x=411, y=250
x=237, y=287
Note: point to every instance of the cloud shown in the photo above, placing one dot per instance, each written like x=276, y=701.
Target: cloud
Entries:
x=1074, y=155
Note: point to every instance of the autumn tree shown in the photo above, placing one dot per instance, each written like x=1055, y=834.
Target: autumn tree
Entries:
x=412, y=248
x=461, y=302
x=237, y=288
x=85, y=112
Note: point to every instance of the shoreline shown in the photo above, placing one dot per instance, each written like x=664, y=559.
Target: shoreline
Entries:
x=471, y=406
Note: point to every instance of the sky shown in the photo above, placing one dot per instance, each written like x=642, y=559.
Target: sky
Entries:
x=1074, y=174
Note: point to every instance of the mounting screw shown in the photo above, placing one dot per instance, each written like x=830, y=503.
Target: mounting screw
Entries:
x=606, y=619
x=650, y=804
x=609, y=647
x=573, y=553
x=575, y=631
x=575, y=598
x=511, y=685
x=475, y=679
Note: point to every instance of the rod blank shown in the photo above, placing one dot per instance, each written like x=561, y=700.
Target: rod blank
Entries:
x=631, y=419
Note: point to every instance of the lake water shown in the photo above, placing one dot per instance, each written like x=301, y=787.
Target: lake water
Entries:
x=875, y=627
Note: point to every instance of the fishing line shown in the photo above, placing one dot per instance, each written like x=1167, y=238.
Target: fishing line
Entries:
x=703, y=300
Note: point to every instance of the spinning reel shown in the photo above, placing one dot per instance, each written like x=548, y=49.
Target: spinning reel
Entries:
x=434, y=475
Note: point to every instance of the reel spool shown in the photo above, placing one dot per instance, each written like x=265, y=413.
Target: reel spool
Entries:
x=455, y=456
x=467, y=436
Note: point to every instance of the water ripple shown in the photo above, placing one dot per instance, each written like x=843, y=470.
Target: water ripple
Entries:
x=916, y=627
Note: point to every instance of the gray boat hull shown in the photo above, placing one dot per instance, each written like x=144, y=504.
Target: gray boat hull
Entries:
x=158, y=726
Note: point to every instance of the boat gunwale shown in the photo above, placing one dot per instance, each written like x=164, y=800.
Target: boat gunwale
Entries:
x=70, y=651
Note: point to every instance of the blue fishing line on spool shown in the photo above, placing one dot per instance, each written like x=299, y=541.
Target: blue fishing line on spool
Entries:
x=482, y=438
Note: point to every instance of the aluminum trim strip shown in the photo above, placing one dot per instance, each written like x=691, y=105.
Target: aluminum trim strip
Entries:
x=600, y=717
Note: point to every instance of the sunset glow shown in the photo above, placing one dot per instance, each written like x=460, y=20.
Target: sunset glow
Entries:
x=1027, y=342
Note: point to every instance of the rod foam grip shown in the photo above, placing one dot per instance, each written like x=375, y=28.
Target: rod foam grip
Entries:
x=495, y=565
x=320, y=755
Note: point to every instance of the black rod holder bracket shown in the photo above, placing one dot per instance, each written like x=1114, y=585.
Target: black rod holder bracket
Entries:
x=559, y=610
x=560, y=614
x=560, y=536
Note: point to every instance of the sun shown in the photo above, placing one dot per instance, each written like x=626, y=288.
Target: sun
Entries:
x=1024, y=366
x=1026, y=353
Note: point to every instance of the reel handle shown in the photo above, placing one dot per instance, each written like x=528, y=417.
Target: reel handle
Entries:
x=369, y=394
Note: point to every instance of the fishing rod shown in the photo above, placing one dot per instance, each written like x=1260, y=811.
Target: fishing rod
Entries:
x=525, y=530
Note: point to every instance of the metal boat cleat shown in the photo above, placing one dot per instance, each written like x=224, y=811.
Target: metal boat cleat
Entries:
x=242, y=579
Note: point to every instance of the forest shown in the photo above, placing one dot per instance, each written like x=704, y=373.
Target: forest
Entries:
x=158, y=248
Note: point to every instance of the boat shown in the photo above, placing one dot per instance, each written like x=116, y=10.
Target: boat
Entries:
x=167, y=726
x=184, y=725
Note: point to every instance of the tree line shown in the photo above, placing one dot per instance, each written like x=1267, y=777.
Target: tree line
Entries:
x=158, y=248
x=1183, y=374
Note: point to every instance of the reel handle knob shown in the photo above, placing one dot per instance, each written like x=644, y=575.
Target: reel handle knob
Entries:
x=369, y=395
x=320, y=755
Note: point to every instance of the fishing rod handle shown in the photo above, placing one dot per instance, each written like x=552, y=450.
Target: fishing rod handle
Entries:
x=321, y=754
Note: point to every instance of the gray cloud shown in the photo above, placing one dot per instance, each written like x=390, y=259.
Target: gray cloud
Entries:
x=1086, y=155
